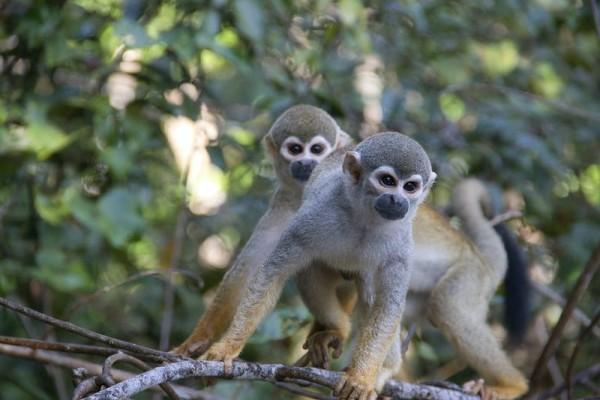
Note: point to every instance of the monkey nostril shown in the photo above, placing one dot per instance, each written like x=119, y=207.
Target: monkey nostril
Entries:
x=391, y=206
x=302, y=169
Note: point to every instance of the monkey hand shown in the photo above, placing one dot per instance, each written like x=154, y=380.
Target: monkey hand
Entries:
x=192, y=349
x=354, y=387
x=318, y=345
x=222, y=351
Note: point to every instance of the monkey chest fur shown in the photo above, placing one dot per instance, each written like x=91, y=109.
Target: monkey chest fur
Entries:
x=360, y=252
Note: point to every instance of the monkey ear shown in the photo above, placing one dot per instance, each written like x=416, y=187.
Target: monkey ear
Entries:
x=270, y=146
x=429, y=184
x=431, y=180
x=352, y=165
x=343, y=139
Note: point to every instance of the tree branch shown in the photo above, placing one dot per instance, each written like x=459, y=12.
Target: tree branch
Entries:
x=265, y=372
x=47, y=357
x=117, y=343
x=582, y=283
x=578, y=315
x=68, y=347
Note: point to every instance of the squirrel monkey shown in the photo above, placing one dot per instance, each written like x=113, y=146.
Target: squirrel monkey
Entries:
x=298, y=140
x=453, y=279
x=370, y=196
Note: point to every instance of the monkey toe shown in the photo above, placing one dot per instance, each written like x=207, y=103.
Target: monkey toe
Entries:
x=479, y=388
x=349, y=388
x=192, y=349
x=319, y=344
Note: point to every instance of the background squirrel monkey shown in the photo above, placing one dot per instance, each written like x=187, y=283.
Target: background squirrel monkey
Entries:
x=298, y=140
x=453, y=279
x=369, y=195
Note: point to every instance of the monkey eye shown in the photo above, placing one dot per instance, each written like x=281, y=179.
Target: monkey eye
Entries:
x=387, y=180
x=316, y=149
x=295, y=148
x=411, y=186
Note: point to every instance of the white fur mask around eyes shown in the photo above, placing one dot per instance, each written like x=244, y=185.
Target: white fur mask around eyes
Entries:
x=399, y=186
x=306, y=152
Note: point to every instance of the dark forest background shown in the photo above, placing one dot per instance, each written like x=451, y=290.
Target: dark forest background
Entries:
x=131, y=170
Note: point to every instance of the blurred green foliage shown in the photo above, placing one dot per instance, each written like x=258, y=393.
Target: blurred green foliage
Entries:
x=90, y=194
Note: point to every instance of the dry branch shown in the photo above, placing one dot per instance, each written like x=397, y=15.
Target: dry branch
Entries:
x=117, y=343
x=68, y=347
x=47, y=357
x=264, y=372
x=554, y=296
x=582, y=283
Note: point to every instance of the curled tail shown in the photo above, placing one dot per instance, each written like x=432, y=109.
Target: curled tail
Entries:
x=471, y=202
x=517, y=300
x=499, y=247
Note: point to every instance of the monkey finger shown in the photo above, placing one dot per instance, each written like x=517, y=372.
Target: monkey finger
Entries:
x=337, y=351
x=228, y=366
x=316, y=356
x=303, y=361
x=347, y=391
x=340, y=385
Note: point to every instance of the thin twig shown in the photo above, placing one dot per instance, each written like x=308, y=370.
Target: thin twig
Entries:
x=118, y=343
x=582, y=283
x=162, y=272
x=596, y=15
x=506, y=216
x=68, y=347
x=578, y=315
x=582, y=376
x=406, y=341
x=47, y=357
x=571, y=365
x=169, y=293
x=577, y=111
x=264, y=372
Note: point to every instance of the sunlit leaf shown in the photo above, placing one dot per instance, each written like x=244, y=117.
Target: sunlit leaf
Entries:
x=45, y=139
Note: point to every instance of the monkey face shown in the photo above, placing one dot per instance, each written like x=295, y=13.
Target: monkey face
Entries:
x=394, y=195
x=302, y=156
x=389, y=182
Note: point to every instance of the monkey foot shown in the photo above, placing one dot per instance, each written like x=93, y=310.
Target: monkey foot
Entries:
x=495, y=392
x=478, y=387
x=222, y=352
x=192, y=349
x=353, y=388
x=318, y=345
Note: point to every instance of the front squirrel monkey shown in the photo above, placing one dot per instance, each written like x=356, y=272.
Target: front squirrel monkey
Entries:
x=298, y=140
x=453, y=279
x=356, y=217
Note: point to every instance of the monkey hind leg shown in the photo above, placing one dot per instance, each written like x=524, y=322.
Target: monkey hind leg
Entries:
x=318, y=286
x=460, y=315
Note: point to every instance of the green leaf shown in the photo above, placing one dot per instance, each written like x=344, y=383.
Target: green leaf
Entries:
x=45, y=139
x=281, y=323
x=120, y=217
x=132, y=33
x=250, y=18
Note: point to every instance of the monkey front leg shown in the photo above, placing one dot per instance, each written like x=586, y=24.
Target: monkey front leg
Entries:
x=379, y=329
x=259, y=298
x=216, y=319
